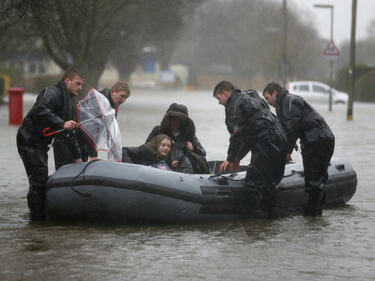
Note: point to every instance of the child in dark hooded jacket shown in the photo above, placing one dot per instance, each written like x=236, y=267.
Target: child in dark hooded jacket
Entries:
x=188, y=155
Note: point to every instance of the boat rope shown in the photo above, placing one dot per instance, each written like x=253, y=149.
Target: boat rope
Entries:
x=230, y=177
x=85, y=194
x=293, y=172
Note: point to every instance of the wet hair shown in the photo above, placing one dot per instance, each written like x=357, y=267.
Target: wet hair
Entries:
x=121, y=86
x=223, y=86
x=178, y=107
x=157, y=141
x=71, y=73
x=271, y=87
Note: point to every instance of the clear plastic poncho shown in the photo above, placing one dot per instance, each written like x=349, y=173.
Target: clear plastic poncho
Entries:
x=97, y=119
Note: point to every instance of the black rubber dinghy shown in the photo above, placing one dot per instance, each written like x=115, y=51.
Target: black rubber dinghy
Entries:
x=108, y=192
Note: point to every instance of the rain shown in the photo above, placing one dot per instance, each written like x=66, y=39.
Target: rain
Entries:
x=175, y=51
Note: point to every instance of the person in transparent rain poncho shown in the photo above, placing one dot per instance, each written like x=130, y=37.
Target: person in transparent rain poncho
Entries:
x=116, y=96
x=98, y=125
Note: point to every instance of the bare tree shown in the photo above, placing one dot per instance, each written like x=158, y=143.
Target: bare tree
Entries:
x=80, y=33
x=244, y=39
x=159, y=25
x=84, y=34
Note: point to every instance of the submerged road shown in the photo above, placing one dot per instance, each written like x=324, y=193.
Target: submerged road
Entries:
x=340, y=245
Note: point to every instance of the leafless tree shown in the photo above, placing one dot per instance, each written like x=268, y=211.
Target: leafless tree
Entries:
x=245, y=38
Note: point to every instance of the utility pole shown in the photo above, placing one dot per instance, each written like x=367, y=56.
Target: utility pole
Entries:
x=284, y=67
x=331, y=59
x=331, y=68
x=349, y=115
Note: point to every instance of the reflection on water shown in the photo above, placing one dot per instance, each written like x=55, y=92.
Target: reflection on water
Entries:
x=337, y=246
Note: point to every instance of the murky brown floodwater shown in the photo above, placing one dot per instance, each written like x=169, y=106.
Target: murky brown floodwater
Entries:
x=340, y=245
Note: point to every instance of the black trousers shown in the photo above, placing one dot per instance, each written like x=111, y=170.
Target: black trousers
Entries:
x=266, y=167
x=317, y=149
x=62, y=154
x=35, y=160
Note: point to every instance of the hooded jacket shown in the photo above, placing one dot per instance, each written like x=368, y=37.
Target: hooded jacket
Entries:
x=248, y=118
x=298, y=118
x=189, y=161
x=53, y=107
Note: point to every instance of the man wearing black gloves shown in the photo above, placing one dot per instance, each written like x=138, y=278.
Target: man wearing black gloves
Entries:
x=253, y=127
x=301, y=120
x=53, y=108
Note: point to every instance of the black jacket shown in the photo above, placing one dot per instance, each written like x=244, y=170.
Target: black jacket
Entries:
x=248, y=118
x=53, y=107
x=189, y=161
x=297, y=118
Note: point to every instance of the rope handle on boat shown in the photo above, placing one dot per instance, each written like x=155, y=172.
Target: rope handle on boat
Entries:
x=230, y=177
x=293, y=172
x=85, y=194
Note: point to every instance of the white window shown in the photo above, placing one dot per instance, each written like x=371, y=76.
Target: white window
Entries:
x=303, y=87
x=319, y=89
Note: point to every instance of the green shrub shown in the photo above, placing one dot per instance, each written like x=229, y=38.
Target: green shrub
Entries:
x=365, y=87
x=15, y=75
x=342, y=76
x=41, y=82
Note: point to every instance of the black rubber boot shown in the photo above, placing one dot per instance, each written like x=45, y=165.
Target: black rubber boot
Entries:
x=35, y=201
x=269, y=200
x=313, y=206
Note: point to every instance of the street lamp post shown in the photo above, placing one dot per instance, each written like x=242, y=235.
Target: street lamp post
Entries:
x=284, y=66
x=323, y=6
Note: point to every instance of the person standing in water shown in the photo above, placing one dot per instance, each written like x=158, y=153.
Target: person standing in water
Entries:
x=301, y=121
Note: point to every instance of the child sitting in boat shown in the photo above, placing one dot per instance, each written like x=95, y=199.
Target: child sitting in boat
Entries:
x=188, y=155
x=155, y=153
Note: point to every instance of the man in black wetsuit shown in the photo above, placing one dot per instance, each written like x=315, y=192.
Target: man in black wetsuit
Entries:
x=53, y=108
x=254, y=128
x=301, y=120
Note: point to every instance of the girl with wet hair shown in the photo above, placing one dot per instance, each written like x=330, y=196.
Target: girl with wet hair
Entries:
x=155, y=153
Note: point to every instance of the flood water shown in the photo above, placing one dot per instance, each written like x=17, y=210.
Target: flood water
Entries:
x=340, y=245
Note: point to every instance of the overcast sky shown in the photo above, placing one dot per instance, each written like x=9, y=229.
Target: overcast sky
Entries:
x=342, y=17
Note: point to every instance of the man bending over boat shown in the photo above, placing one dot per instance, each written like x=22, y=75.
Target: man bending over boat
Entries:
x=252, y=127
x=301, y=120
x=188, y=155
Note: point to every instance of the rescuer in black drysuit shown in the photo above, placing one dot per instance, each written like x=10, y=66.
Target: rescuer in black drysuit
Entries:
x=254, y=128
x=54, y=108
x=301, y=121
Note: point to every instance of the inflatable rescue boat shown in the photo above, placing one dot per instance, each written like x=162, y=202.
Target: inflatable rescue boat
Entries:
x=106, y=191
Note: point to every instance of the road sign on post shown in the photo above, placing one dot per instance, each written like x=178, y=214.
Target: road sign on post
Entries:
x=331, y=52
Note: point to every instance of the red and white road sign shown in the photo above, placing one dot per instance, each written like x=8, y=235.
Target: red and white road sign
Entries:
x=331, y=52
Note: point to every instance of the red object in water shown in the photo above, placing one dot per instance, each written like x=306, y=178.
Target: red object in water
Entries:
x=15, y=105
